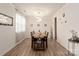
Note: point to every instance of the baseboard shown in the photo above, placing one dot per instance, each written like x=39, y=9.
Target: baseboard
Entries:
x=19, y=42
x=12, y=47
x=28, y=38
x=70, y=53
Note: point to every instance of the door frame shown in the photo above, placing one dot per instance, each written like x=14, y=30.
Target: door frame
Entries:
x=55, y=27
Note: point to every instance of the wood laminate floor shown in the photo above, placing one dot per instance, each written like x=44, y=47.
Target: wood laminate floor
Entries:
x=24, y=49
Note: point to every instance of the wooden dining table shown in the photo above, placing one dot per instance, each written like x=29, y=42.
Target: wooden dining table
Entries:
x=39, y=36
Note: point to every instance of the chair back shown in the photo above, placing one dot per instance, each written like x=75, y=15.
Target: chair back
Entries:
x=31, y=34
x=32, y=37
x=47, y=34
x=46, y=37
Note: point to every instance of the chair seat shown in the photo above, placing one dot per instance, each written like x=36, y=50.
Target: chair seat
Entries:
x=38, y=42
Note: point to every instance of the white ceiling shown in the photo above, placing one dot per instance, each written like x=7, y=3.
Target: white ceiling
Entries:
x=38, y=9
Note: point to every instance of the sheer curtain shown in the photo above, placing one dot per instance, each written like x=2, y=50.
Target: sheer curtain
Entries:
x=20, y=23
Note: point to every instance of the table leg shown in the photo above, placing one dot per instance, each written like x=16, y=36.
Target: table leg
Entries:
x=73, y=48
x=68, y=48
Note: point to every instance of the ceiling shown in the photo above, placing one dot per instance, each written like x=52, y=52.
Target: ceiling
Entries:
x=38, y=9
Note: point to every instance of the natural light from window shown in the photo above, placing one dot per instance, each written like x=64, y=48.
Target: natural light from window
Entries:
x=20, y=23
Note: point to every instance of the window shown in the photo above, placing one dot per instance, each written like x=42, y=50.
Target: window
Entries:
x=20, y=23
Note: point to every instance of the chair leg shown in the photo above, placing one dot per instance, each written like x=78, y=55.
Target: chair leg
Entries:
x=46, y=44
x=43, y=45
x=32, y=45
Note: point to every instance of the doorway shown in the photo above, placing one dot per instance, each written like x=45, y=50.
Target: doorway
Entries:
x=55, y=25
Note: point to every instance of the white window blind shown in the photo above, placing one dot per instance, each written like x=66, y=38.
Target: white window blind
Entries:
x=20, y=23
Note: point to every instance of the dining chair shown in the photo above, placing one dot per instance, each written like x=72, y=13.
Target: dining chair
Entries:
x=46, y=39
x=33, y=32
x=34, y=42
x=38, y=44
x=43, y=43
x=31, y=39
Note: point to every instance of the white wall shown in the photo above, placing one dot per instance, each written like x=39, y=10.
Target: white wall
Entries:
x=31, y=20
x=7, y=33
x=20, y=35
x=63, y=30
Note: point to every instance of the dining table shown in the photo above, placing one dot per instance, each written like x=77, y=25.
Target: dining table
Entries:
x=40, y=36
